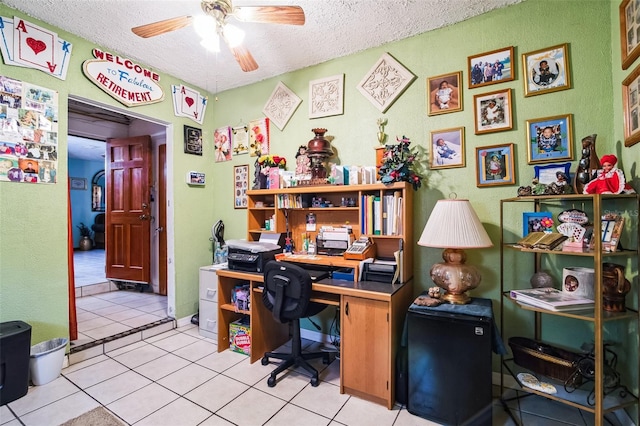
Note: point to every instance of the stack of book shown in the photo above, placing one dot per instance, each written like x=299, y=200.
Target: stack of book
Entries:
x=551, y=299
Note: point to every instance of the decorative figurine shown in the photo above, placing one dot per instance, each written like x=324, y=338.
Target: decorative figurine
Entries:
x=609, y=180
x=303, y=162
x=588, y=164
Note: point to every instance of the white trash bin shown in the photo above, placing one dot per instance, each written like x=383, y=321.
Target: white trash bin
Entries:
x=46, y=359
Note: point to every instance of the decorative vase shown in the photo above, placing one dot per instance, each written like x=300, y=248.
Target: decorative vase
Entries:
x=588, y=164
x=319, y=149
x=85, y=243
x=614, y=287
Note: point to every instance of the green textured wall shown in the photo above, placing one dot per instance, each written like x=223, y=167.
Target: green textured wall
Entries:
x=34, y=283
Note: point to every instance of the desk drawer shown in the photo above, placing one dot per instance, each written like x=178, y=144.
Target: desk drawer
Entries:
x=208, y=319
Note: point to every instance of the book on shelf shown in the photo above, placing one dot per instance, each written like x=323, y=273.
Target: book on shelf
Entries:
x=542, y=240
x=551, y=299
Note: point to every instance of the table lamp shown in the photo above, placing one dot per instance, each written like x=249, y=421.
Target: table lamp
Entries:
x=454, y=226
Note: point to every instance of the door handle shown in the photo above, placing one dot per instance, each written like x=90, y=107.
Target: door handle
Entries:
x=143, y=217
x=160, y=229
x=346, y=309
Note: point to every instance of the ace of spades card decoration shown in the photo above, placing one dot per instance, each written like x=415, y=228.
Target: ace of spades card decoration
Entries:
x=24, y=44
x=385, y=82
x=188, y=102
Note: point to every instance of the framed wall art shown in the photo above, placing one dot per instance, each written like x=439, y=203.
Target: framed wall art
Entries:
x=447, y=149
x=77, y=183
x=387, y=73
x=326, y=96
x=444, y=93
x=629, y=32
x=546, y=70
x=240, y=139
x=492, y=111
x=281, y=105
x=550, y=139
x=192, y=140
x=533, y=222
x=492, y=67
x=495, y=165
x=549, y=173
x=631, y=107
x=241, y=179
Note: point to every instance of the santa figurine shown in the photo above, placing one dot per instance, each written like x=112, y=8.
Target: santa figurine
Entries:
x=608, y=180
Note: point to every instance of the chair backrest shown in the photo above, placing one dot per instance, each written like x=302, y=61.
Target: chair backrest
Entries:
x=287, y=290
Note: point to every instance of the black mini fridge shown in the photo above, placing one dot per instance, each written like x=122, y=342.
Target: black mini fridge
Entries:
x=449, y=365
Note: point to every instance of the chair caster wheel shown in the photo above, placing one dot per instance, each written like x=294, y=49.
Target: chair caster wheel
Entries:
x=326, y=360
x=265, y=360
x=315, y=382
x=271, y=381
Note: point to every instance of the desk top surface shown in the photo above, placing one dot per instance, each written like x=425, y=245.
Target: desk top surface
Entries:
x=373, y=289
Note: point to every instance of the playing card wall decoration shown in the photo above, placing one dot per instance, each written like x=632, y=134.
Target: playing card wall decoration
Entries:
x=385, y=82
x=281, y=105
x=188, y=102
x=24, y=44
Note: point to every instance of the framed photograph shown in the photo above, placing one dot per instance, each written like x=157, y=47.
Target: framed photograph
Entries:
x=326, y=96
x=192, y=140
x=532, y=222
x=631, y=107
x=629, y=32
x=549, y=173
x=546, y=70
x=611, y=230
x=495, y=165
x=241, y=179
x=78, y=183
x=444, y=93
x=447, y=148
x=492, y=111
x=492, y=67
x=196, y=178
x=389, y=74
x=550, y=139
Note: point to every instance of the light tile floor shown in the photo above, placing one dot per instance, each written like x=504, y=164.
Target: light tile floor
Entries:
x=177, y=378
x=89, y=267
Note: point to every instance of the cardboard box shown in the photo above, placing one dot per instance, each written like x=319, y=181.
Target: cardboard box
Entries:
x=240, y=336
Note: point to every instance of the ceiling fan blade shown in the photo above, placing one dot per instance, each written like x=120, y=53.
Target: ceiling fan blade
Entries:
x=292, y=15
x=161, y=27
x=243, y=57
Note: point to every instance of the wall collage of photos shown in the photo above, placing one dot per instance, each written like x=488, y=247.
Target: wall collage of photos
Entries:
x=28, y=132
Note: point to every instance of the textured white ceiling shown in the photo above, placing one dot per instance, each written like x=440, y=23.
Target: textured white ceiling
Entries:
x=333, y=28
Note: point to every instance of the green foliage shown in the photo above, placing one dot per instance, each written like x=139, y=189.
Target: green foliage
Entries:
x=399, y=164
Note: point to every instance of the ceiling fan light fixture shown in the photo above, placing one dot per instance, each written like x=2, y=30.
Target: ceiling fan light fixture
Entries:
x=205, y=26
x=234, y=35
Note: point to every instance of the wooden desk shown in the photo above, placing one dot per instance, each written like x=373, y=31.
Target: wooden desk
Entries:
x=371, y=319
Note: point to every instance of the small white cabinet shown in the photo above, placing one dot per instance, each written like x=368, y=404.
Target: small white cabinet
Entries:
x=208, y=306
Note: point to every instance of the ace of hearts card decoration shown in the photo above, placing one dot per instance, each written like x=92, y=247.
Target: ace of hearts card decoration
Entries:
x=188, y=102
x=24, y=44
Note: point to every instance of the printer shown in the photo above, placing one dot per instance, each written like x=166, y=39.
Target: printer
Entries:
x=251, y=256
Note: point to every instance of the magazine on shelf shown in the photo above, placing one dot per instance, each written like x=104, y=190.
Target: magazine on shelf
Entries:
x=551, y=299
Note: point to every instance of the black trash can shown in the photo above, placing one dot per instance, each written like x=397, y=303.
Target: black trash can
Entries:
x=15, y=347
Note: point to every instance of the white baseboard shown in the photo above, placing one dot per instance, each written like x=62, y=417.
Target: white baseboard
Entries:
x=184, y=321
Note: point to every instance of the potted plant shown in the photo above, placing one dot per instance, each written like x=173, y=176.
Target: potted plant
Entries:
x=86, y=243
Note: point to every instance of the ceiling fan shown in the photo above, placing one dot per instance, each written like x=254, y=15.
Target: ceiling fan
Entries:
x=215, y=26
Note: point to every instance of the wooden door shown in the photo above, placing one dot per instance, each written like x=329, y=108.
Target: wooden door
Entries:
x=364, y=346
x=128, y=224
x=162, y=220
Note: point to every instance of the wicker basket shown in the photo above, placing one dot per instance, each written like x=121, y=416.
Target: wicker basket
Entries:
x=544, y=359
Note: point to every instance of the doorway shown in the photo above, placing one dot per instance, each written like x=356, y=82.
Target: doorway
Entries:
x=108, y=308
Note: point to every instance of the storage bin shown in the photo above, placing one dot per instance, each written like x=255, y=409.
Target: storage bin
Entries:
x=343, y=274
x=15, y=338
x=46, y=360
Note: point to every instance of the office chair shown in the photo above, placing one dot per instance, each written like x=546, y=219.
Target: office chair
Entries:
x=287, y=294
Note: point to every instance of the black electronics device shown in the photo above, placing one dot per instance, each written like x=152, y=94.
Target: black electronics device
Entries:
x=244, y=260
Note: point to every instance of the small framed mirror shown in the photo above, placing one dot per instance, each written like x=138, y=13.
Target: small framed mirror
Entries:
x=97, y=192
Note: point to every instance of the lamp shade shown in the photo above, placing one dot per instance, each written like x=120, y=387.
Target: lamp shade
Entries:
x=454, y=224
